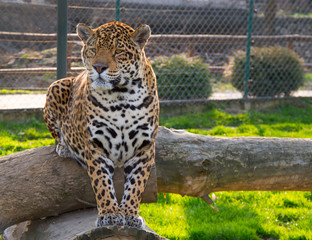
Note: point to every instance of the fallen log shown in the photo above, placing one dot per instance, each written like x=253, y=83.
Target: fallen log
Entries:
x=37, y=183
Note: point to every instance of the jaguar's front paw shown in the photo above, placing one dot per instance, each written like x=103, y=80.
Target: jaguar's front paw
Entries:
x=62, y=150
x=137, y=222
x=110, y=219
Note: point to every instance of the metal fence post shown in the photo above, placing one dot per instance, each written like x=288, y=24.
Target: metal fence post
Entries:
x=61, y=38
x=117, y=12
x=247, y=66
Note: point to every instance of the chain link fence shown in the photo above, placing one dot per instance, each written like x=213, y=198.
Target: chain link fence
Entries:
x=200, y=49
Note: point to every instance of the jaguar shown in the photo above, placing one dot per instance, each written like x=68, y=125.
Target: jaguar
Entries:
x=107, y=117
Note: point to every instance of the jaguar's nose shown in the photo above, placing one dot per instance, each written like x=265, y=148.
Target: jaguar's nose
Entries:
x=100, y=67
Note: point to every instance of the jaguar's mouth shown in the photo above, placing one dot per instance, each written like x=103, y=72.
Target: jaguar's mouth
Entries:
x=106, y=84
x=116, y=81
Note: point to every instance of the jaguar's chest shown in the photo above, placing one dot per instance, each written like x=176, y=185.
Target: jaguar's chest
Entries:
x=120, y=127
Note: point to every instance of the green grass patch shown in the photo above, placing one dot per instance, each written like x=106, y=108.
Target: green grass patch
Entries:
x=308, y=77
x=307, y=82
x=291, y=130
x=15, y=137
x=241, y=215
x=282, y=121
x=18, y=91
x=301, y=15
x=208, y=119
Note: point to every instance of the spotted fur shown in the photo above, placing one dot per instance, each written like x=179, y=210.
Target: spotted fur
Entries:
x=107, y=117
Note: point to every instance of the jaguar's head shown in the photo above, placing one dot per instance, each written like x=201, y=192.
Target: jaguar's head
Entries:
x=113, y=53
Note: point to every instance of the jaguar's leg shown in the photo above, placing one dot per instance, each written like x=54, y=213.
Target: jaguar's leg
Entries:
x=137, y=171
x=62, y=150
x=56, y=105
x=101, y=171
x=51, y=119
x=53, y=126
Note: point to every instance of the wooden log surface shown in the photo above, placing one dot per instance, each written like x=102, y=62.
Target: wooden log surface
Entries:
x=75, y=225
x=119, y=233
x=37, y=183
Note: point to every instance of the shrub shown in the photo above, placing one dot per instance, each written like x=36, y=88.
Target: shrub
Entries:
x=274, y=71
x=180, y=77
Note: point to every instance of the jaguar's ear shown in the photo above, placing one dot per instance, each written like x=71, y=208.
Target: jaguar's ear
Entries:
x=141, y=35
x=84, y=32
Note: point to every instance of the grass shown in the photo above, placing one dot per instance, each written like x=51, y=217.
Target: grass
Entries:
x=19, y=91
x=301, y=15
x=16, y=137
x=241, y=215
x=307, y=82
x=285, y=121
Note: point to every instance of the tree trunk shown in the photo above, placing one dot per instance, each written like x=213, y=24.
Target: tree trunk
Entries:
x=37, y=183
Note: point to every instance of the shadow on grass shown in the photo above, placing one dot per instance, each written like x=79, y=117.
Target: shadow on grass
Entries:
x=251, y=215
x=230, y=222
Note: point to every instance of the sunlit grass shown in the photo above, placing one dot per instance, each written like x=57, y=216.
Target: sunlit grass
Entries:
x=261, y=130
x=283, y=121
x=19, y=91
x=15, y=137
x=241, y=215
x=301, y=15
x=173, y=224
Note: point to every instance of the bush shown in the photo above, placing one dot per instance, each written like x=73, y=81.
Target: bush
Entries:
x=274, y=71
x=180, y=78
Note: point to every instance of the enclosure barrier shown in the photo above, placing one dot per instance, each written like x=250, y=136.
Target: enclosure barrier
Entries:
x=189, y=40
x=212, y=30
